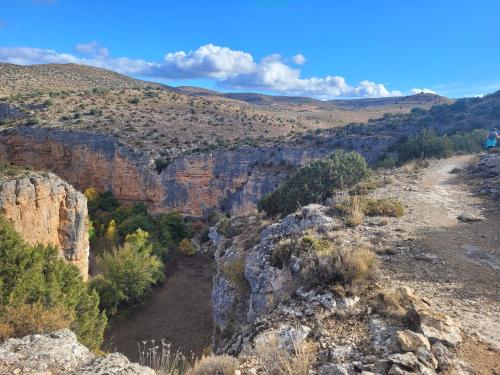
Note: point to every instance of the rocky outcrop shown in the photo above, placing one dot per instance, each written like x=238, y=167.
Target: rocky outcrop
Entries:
x=232, y=180
x=60, y=353
x=45, y=209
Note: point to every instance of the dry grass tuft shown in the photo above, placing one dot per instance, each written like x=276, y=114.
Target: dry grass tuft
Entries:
x=215, y=365
x=234, y=270
x=278, y=361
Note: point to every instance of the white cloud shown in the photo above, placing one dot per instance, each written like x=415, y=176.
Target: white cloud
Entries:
x=419, y=91
x=299, y=59
x=2, y=24
x=229, y=68
x=208, y=61
x=92, y=48
x=273, y=75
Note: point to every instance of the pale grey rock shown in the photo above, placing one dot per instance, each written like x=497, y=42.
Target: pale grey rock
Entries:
x=60, y=353
x=333, y=369
x=51, y=353
x=111, y=364
x=411, y=341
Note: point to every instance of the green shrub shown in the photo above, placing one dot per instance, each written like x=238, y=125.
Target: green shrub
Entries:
x=34, y=278
x=315, y=182
x=426, y=144
x=127, y=272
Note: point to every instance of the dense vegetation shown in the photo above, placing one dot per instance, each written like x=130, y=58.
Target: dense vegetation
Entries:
x=132, y=246
x=39, y=292
x=316, y=182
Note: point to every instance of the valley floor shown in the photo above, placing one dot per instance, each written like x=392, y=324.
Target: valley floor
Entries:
x=454, y=264
x=179, y=312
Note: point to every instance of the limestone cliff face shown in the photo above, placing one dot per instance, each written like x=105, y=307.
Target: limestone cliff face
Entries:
x=45, y=209
x=233, y=180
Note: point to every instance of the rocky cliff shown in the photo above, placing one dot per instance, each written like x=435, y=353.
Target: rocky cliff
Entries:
x=45, y=209
x=232, y=180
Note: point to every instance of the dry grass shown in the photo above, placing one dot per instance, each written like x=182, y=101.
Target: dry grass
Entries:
x=278, y=361
x=161, y=358
x=215, y=365
x=382, y=207
x=355, y=208
x=415, y=165
x=354, y=264
x=234, y=270
x=18, y=321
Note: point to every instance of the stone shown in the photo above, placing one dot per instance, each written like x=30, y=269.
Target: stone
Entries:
x=44, y=209
x=434, y=325
x=411, y=341
x=60, y=353
x=439, y=327
x=443, y=355
x=426, y=357
x=289, y=337
x=469, y=218
x=111, y=364
x=333, y=369
x=407, y=360
x=398, y=370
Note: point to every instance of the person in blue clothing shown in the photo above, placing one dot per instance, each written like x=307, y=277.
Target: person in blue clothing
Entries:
x=491, y=141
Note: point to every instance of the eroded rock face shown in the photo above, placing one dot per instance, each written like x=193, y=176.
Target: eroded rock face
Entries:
x=45, y=209
x=231, y=180
x=60, y=353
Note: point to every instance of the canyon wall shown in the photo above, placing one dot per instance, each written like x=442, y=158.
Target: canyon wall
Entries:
x=231, y=180
x=45, y=209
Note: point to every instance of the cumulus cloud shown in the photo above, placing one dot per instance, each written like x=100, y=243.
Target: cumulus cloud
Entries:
x=208, y=61
x=229, y=68
x=272, y=74
x=2, y=24
x=425, y=91
x=299, y=59
x=92, y=48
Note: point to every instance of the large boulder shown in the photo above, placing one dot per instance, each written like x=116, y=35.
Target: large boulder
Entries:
x=60, y=353
x=434, y=325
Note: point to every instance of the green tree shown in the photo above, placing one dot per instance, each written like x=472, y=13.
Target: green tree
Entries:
x=127, y=272
x=35, y=275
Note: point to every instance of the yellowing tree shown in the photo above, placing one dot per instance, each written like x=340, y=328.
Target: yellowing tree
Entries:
x=91, y=194
x=110, y=233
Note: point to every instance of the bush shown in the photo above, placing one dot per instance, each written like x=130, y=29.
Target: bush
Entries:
x=34, y=281
x=427, y=144
x=25, y=319
x=127, y=272
x=325, y=265
x=315, y=182
x=187, y=248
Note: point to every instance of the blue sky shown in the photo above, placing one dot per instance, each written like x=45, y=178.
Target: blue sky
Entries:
x=325, y=49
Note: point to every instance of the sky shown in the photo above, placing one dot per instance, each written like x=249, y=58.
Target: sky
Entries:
x=323, y=49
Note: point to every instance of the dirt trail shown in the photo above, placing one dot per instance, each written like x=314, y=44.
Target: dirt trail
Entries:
x=179, y=311
x=454, y=264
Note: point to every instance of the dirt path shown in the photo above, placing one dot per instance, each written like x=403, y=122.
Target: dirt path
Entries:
x=179, y=311
x=454, y=264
